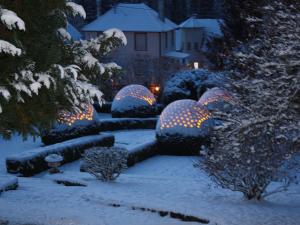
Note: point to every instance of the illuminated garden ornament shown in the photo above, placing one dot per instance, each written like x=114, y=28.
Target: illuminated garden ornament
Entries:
x=182, y=127
x=216, y=98
x=69, y=118
x=134, y=101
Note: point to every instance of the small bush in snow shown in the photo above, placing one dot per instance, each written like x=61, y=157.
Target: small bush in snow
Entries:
x=105, y=164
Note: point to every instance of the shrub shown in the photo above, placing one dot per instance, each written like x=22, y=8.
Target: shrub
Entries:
x=105, y=164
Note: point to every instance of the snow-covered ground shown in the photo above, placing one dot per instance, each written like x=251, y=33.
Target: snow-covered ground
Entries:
x=169, y=183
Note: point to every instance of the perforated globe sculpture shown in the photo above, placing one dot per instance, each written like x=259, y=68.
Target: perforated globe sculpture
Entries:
x=216, y=99
x=134, y=101
x=83, y=117
x=182, y=128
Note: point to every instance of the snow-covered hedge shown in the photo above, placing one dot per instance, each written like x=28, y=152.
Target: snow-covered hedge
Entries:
x=191, y=84
x=126, y=124
x=32, y=162
x=8, y=183
x=59, y=135
x=142, y=152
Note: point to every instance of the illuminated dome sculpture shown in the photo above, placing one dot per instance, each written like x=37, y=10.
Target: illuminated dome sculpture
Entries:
x=69, y=118
x=216, y=98
x=134, y=101
x=183, y=127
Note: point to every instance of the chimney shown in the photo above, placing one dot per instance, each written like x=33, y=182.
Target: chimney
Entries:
x=99, y=7
x=161, y=10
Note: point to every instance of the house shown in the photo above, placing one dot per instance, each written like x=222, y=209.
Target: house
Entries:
x=148, y=32
x=194, y=34
x=151, y=41
x=75, y=34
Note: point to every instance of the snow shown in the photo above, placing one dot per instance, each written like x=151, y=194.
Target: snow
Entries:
x=7, y=181
x=11, y=20
x=113, y=32
x=76, y=9
x=128, y=138
x=54, y=158
x=131, y=17
x=162, y=182
x=9, y=48
x=14, y=146
x=64, y=34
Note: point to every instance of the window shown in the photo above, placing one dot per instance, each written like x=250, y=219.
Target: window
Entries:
x=196, y=46
x=189, y=46
x=166, y=40
x=140, y=41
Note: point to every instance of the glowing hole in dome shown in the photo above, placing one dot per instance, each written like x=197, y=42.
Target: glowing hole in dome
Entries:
x=215, y=95
x=70, y=118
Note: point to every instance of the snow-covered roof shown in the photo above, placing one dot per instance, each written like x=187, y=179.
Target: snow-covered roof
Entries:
x=210, y=25
x=177, y=55
x=131, y=17
x=75, y=34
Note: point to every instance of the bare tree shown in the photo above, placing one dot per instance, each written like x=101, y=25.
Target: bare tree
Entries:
x=259, y=140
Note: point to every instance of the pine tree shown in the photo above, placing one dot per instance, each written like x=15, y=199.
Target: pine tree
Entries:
x=42, y=71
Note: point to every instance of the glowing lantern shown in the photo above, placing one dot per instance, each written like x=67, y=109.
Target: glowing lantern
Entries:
x=70, y=118
x=133, y=101
x=216, y=98
x=182, y=127
x=196, y=65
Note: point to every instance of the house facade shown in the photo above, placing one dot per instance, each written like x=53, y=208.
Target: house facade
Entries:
x=151, y=40
x=148, y=34
x=194, y=35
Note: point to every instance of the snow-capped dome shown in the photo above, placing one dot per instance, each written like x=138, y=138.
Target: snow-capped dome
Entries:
x=183, y=124
x=133, y=101
x=216, y=98
x=53, y=158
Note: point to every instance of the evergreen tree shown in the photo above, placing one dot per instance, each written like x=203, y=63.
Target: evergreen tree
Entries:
x=42, y=71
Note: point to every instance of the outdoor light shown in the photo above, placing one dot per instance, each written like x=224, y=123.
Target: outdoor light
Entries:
x=157, y=88
x=133, y=101
x=70, y=118
x=196, y=65
x=183, y=127
x=215, y=95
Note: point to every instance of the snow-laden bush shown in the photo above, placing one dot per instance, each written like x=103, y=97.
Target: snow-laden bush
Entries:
x=105, y=164
x=191, y=84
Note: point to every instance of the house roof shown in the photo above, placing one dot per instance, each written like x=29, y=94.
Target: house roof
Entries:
x=75, y=34
x=131, y=17
x=212, y=26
